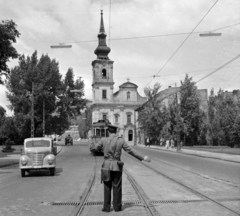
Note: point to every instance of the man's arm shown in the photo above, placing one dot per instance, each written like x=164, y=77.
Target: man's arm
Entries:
x=96, y=146
x=134, y=153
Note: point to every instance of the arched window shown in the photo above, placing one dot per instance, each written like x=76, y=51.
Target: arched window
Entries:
x=104, y=74
x=130, y=135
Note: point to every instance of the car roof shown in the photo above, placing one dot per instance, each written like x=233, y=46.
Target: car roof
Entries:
x=38, y=138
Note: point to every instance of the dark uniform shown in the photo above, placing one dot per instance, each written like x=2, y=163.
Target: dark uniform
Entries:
x=112, y=148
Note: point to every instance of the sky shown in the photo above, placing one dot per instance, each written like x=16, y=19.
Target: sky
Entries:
x=147, y=38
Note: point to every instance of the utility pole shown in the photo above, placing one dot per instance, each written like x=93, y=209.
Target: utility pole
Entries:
x=43, y=118
x=178, y=121
x=32, y=119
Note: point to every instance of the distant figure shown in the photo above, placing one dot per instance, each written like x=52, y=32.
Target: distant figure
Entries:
x=161, y=141
x=147, y=142
x=167, y=144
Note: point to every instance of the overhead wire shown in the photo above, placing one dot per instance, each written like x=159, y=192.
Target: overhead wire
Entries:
x=219, y=68
x=184, y=41
x=140, y=37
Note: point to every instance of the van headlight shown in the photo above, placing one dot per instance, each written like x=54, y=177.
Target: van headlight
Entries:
x=24, y=161
x=50, y=159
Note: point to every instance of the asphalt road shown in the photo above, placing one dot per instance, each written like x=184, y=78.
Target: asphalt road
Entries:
x=32, y=194
x=214, y=168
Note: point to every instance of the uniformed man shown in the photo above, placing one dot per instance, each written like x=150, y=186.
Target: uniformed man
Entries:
x=112, y=148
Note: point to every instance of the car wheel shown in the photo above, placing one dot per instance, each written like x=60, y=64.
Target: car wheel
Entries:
x=22, y=172
x=52, y=171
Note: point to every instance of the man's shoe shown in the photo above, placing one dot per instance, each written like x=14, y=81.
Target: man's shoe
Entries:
x=105, y=210
x=118, y=210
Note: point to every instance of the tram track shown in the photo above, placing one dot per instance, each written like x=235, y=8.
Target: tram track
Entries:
x=142, y=196
x=79, y=207
x=142, y=201
x=199, y=194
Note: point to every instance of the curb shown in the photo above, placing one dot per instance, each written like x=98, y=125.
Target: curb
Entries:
x=9, y=164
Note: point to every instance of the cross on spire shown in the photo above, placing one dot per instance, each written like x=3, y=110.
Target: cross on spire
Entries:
x=128, y=79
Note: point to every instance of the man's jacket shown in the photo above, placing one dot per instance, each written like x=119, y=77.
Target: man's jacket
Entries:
x=112, y=149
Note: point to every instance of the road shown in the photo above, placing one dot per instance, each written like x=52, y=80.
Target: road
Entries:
x=34, y=194
x=31, y=195
x=217, y=169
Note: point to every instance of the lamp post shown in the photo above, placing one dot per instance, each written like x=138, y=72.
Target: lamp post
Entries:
x=210, y=34
x=61, y=45
x=32, y=117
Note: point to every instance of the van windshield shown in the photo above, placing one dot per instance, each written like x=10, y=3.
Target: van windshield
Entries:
x=37, y=143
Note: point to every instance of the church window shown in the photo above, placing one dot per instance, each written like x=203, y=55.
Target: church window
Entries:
x=104, y=94
x=128, y=95
x=128, y=118
x=104, y=116
x=116, y=118
x=104, y=74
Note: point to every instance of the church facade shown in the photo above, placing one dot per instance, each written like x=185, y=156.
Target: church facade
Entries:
x=118, y=107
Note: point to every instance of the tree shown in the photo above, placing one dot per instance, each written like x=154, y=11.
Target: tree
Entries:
x=2, y=112
x=190, y=112
x=153, y=116
x=8, y=35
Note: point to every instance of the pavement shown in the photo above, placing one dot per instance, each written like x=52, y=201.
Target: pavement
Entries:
x=206, y=154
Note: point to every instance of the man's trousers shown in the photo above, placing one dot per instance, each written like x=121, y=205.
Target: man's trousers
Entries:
x=116, y=184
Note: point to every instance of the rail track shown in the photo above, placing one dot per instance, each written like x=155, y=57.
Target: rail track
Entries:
x=143, y=199
x=214, y=201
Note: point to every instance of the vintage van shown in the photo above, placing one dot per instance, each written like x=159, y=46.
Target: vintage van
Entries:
x=37, y=154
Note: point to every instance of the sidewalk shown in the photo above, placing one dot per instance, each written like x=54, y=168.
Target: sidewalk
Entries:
x=9, y=159
x=219, y=156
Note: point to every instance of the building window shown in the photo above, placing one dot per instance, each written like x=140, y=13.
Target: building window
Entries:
x=128, y=118
x=116, y=118
x=104, y=94
x=104, y=116
x=130, y=135
x=104, y=74
x=128, y=95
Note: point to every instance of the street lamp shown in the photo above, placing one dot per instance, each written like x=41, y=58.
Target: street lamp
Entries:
x=61, y=45
x=210, y=34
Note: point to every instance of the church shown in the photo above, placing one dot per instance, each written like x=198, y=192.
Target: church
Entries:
x=118, y=107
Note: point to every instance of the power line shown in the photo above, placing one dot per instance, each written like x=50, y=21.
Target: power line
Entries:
x=184, y=41
x=219, y=68
x=140, y=37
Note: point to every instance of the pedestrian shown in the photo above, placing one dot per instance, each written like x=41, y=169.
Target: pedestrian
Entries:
x=112, y=166
x=161, y=141
x=167, y=144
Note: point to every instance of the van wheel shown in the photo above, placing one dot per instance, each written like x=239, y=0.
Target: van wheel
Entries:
x=52, y=171
x=22, y=172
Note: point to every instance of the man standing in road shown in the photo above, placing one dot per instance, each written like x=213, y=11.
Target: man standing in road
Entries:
x=112, y=166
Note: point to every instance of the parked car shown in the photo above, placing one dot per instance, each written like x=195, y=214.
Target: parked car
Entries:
x=38, y=154
x=68, y=140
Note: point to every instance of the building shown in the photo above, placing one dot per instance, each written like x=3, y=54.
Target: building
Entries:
x=118, y=107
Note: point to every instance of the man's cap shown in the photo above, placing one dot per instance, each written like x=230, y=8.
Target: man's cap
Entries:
x=112, y=128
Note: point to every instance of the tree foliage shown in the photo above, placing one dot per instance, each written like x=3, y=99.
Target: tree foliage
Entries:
x=224, y=114
x=190, y=111
x=41, y=80
x=8, y=35
x=154, y=117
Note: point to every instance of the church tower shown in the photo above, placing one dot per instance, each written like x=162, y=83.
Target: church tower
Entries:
x=102, y=68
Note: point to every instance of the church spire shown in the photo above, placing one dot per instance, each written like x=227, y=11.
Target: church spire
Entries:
x=102, y=50
x=102, y=30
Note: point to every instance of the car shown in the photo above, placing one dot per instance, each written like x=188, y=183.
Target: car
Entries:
x=38, y=153
x=68, y=140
